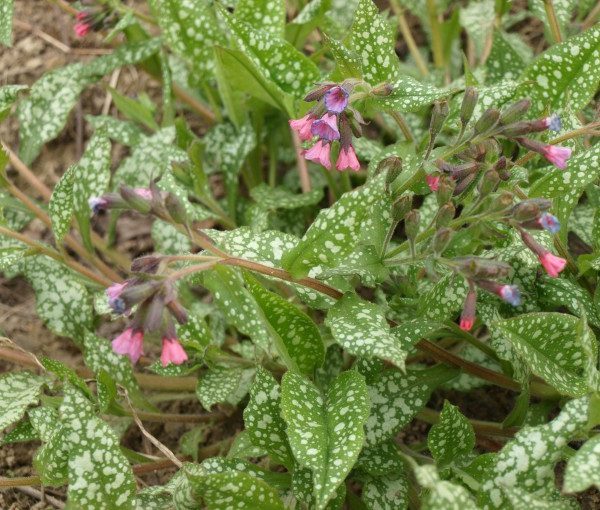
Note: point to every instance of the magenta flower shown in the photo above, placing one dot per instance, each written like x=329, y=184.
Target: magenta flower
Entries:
x=466, y=323
x=433, y=181
x=326, y=127
x=549, y=222
x=129, y=343
x=302, y=126
x=347, y=159
x=83, y=26
x=336, y=99
x=114, y=297
x=552, y=264
x=320, y=153
x=510, y=293
x=557, y=155
x=172, y=352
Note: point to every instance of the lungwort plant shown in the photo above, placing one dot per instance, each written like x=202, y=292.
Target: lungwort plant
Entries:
x=365, y=218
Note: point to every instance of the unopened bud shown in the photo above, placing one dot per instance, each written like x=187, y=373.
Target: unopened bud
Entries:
x=530, y=209
x=146, y=264
x=154, y=314
x=467, y=317
x=177, y=311
x=445, y=189
x=136, y=200
x=515, y=111
x=176, y=209
x=438, y=116
x=411, y=224
x=319, y=92
x=137, y=291
x=445, y=215
x=383, y=89
x=487, y=121
x=516, y=129
x=501, y=201
x=401, y=206
x=441, y=239
x=488, y=182
x=463, y=184
x=501, y=167
x=480, y=267
x=392, y=165
x=468, y=104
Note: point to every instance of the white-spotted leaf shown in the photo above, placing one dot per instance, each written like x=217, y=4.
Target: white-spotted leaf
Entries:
x=18, y=390
x=61, y=205
x=583, y=469
x=452, y=438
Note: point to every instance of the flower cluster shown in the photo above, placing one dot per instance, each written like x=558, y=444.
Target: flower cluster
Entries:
x=92, y=19
x=156, y=308
x=332, y=119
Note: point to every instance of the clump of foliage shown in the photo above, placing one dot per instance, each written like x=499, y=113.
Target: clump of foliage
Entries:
x=385, y=232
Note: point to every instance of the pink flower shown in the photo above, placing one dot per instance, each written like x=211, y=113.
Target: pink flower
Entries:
x=326, y=127
x=129, y=343
x=557, y=155
x=302, y=126
x=172, y=352
x=114, y=297
x=433, y=181
x=336, y=99
x=466, y=324
x=82, y=29
x=347, y=159
x=552, y=264
x=320, y=153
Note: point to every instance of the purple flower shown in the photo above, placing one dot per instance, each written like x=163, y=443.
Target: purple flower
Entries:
x=549, y=222
x=326, y=127
x=511, y=294
x=553, y=123
x=97, y=204
x=557, y=155
x=336, y=99
x=114, y=297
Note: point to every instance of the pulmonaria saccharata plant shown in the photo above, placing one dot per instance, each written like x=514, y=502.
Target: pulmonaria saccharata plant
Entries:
x=317, y=263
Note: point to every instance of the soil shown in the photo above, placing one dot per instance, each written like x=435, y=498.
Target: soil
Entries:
x=32, y=54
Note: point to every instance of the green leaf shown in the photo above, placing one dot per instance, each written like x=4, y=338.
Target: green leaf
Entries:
x=347, y=63
x=380, y=460
x=99, y=474
x=373, y=39
x=21, y=433
x=296, y=336
x=505, y=61
x=444, y=299
x=477, y=18
x=361, y=328
x=566, y=73
x=8, y=95
x=218, y=385
x=191, y=30
x=560, y=292
x=397, y=397
x=385, y=493
x=168, y=240
x=409, y=95
x=60, y=208
x=276, y=59
x=90, y=179
x=452, y=438
x=264, y=15
x=442, y=494
x=262, y=417
x=122, y=131
x=62, y=301
x=237, y=304
x=282, y=198
x=527, y=461
x=551, y=346
x=18, y=390
x=337, y=230
x=6, y=15
x=134, y=110
x=325, y=432
x=583, y=469
x=519, y=498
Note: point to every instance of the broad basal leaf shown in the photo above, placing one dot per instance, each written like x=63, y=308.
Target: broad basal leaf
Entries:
x=325, y=432
x=296, y=336
x=568, y=72
x=6, y=14
x=441, y=493
x=444, y=299
x=505, y=61
x=264, y=426
x=362, y=329
x=222, y=385
x=478, y=20
x=373, y=40
x=583, y=469
x=550, y=344
x=18, y=390
x=386, y=492
x=282, y=198
x=452, y=438
x=527, y=461
x=409, y=95
x=265, y=15
x=397, y=397
x=60, y=208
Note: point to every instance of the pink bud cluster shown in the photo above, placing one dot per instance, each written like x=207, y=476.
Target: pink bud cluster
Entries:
x=329, y=122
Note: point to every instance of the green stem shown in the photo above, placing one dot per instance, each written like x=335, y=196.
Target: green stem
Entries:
x=408, y=38
x=553, y=20
x=436, y=34
x=484, y=428
x=397, y=116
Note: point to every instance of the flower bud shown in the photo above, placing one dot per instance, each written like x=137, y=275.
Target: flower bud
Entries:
x=445, y=215
x=530, y=209
x=137, y=291
x=516, y=129
x=500, y=167
x=401, y=206
x=515, y=111
x=501, y=201
x=487, y=121
x=106, y=201
x=146, y=264
x=154, y=314
x=319, y=92
x=176, y=209
x=467, y=317
x=393, y=166
x=463, y=184
x=438, y=116
x=411, y=224
x=135, y=199
x=383, y=89
x=177, y=311
x=488, y=182
x=481, y=268
x=468, y=104
x=445, y=189
x=441, y=239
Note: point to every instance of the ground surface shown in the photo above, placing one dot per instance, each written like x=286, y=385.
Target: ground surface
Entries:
x=31, y=56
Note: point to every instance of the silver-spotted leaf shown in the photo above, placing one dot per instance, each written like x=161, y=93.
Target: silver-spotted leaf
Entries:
x=452, y=438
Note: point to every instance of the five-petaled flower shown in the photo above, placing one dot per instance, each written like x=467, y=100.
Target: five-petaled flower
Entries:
x=172, y=352
x=130, y=343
